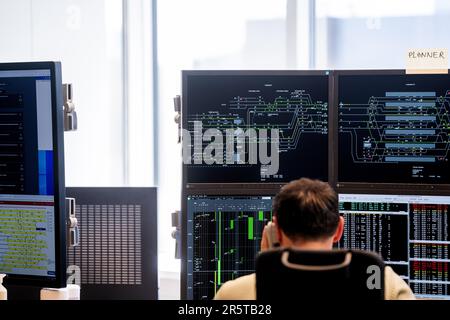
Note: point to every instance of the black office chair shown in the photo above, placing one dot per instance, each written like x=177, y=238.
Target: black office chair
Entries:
x=287, y=274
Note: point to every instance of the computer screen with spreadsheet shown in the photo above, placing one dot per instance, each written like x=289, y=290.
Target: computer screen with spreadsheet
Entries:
x=31, y=197
x=412, y=234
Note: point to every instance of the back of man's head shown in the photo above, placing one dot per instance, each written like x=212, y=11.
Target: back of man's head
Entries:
x=307, y=209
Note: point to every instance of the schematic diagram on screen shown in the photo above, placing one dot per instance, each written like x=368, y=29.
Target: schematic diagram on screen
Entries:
x=400, y=127
x=293, y=113
x=393, y=128
x=252, y=114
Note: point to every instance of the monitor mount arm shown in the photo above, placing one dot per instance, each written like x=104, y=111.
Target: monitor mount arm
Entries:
x=70, y=124
x=176, y=233
x=176, y=216
x=73, y=232
x=70, y=115
x=177, y=119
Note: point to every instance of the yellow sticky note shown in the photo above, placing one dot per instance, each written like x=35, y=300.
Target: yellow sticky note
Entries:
x=425, y=61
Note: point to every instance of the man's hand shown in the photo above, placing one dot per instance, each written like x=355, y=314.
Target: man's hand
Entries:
x=264, y=240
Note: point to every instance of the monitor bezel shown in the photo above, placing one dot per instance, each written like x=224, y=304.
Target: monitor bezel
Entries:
x=60, y=278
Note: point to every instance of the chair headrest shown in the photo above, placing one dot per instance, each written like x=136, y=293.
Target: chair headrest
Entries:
x=305, y=274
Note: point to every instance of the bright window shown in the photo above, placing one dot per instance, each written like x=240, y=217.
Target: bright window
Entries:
x=368, y=34
x=86, y=36
x=205, y=34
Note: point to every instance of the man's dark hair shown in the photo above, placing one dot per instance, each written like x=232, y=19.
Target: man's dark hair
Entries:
x=307, y=209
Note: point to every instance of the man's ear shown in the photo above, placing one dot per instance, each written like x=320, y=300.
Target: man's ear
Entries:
x=339, y=230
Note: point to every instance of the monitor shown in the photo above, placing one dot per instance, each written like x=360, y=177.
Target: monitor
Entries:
x=117, y=255
x=410, y=232
x=230, y=119
x=32, y=214
x=393, y=127
x=223, y=238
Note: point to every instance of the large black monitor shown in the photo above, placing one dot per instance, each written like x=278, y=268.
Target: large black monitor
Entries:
x=241, y=103
x=393, y=127
x=32, y=214
x=411, y=232
x=223, y=235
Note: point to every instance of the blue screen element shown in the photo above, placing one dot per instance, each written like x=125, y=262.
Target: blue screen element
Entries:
x=49, y=172
x=45, y=172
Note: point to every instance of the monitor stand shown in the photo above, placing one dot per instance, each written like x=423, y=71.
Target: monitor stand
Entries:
x=71, y=292
x=23, y=292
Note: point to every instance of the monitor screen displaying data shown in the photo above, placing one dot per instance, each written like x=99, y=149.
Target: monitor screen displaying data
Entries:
x=223, y=239
x=245, y=110
x=27, y=195
x=412, y=234
x=394, y=128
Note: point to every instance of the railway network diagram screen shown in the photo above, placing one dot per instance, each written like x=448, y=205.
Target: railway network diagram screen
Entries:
x=411, y=233
x=223, y=239
x=394, y=128
x=245, y=110
x=27, y=208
